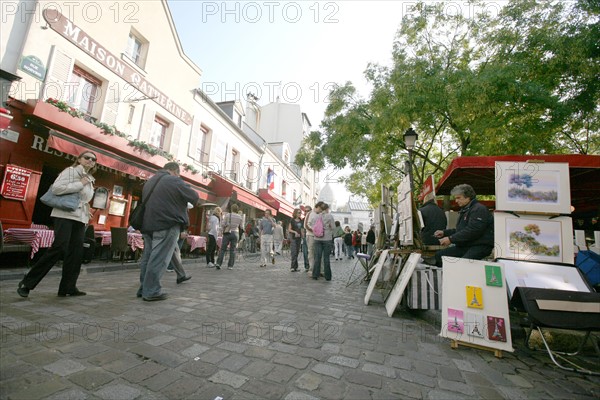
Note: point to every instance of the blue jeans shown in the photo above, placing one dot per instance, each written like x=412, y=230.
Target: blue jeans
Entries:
x=231, y=240
x=350, y=251
x=322, y=252
x=295, y=244
x=158, y=250
x=305, y=254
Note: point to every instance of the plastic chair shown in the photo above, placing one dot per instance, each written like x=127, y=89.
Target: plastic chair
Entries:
x=119, y=242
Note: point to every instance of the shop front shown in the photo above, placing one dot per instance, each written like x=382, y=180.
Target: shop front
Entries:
x=46, y=140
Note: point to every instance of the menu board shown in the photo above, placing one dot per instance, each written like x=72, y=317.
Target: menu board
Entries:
x=15, y=182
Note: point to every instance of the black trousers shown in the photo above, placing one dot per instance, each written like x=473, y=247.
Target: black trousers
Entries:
x=211, y=247
x=67, y=245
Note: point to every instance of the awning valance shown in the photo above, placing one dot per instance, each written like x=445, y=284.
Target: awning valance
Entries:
x=276, y=201
x=225, y=188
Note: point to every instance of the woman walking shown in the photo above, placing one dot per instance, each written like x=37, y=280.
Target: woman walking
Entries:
x=295, y=236
x=323, y=243
x=69, y=229
x=213, y=232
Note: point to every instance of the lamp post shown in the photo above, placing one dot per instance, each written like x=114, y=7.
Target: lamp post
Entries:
x=410, y=138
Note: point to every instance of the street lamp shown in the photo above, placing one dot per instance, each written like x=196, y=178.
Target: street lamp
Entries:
x=410, y=138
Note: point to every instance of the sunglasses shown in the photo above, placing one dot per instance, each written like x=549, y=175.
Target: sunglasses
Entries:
x=90, y=158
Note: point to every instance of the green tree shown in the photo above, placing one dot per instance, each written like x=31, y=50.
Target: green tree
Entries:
x=477, y=84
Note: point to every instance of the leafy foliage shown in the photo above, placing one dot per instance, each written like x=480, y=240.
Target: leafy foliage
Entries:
x=523, y=81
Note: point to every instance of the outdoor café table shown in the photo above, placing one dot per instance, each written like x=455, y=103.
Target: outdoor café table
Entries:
x=196, y=242
x=36, y=238
x=134, y=239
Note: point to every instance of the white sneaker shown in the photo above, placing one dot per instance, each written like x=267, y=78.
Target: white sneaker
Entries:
x=210, y=265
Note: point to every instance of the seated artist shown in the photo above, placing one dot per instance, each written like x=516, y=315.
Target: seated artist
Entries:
x=473, y=237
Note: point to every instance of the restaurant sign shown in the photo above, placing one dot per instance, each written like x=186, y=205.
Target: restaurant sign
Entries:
x=15, y=182
x=83, y=41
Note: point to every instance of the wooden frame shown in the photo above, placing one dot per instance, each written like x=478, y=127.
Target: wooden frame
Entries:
x=534, y=237
x=401, y=283
x=100, y=201
x=117, y=207
x=533, y=187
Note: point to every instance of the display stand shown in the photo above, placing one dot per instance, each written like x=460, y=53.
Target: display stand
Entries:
x=455, y=343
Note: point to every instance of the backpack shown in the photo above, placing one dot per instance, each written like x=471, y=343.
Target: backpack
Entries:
x=319, y=228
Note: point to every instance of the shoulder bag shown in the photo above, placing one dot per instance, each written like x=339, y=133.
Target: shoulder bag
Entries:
x=136, y=218
x=65, y=202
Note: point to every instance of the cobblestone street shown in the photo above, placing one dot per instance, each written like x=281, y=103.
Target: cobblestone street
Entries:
x=247, y=333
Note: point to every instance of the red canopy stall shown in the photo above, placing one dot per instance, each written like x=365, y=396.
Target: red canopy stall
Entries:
x=479, y=172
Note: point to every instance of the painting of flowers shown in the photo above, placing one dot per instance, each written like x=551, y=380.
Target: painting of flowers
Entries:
x=535, y=240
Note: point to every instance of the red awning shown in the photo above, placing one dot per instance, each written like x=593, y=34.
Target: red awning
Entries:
x=70, y=145
x=479, y=172
x=276, y=202
x=225, y=188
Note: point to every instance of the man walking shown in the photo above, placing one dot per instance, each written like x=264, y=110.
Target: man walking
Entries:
x=230, y=225
x=166, y=212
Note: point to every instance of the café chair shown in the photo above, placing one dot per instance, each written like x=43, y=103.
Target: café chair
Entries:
x=118, y=243
x=13, y=247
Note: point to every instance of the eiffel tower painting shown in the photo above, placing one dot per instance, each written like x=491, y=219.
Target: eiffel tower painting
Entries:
x=493, y=275
x=496, y=329
x=474, y=297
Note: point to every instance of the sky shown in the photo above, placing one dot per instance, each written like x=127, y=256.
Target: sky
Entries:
x=296, y=50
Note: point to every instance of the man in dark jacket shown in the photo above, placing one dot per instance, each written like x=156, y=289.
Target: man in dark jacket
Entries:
x=473, y=237
x=434, y=219
x=166, y=212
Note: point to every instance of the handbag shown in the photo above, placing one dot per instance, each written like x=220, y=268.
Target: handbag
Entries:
x=65, y=202
x=136, y=218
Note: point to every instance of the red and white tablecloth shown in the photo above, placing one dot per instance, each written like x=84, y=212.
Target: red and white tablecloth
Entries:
x=134, y=239
x=36, y=238
x=196, y=242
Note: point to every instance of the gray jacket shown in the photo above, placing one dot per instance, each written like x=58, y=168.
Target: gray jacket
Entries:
x=69, y=181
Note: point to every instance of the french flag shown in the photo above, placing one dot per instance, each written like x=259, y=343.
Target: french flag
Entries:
x=271, y=179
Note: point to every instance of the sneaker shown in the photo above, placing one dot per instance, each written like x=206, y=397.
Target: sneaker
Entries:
x=159, y=297
x=170, y=270
x=217, y=266
x=183, y=279
x=263, y=265
x=229, y=267
x=210, y=265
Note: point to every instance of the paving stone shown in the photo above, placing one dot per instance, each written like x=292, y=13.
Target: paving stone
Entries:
x=344, y=361
x=199, y=368
x=363, y=378
x=234, y=362
x=283, y=347
x=308, y=381
x=331, y=389
x=291, y=360
x=425, y=368
x=443, y=395
x=214, y=356
x=487, y=392
x=228, y=378
x=182, y=388
x=379, y=370
x=143, y=372
x=511, y=392
x=70, y=394
x=453, y=386
x=257, y=368
x=374, y=357
x=161, y=356
x=299, y=396
x=64, y=367
x=195, y=350
x=330, y=348
x=159, y=340
x=356, y=392
x=518, y=381
x=234, y=347
x=415, y=377
x=450, y=373
x=39, y=391
x=42, y=358
x=259, y=352
x=118, y=392
x=400, y=362
x=406, y=389
x=329, y=370
x=267, y=390
x=281, y=374
x=91, y=378
x=464, y=365
x=157, y=382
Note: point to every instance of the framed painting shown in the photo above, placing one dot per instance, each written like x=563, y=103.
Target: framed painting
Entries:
x=534, y=237
x=543, y=276
x=533, y=187
x=401, y=283
x=117, y=207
